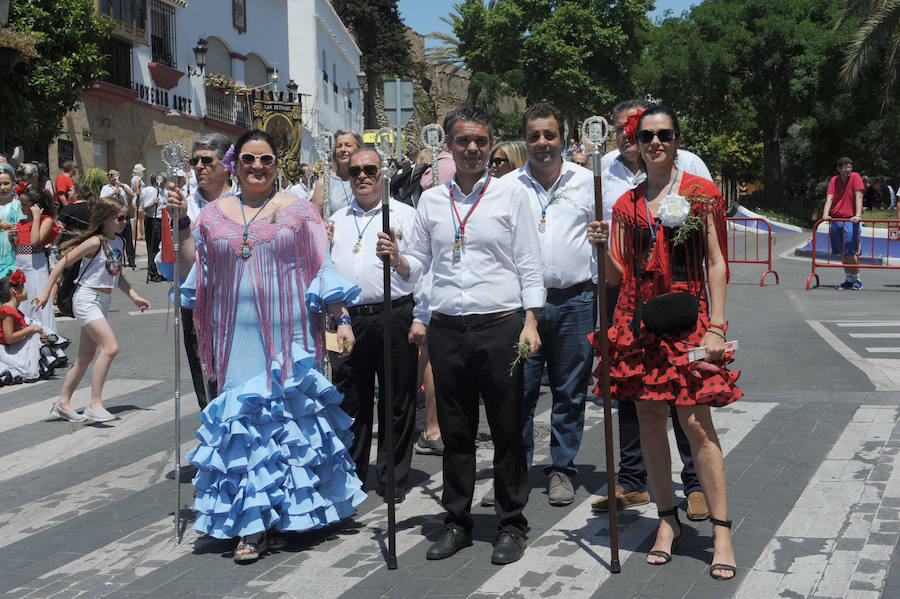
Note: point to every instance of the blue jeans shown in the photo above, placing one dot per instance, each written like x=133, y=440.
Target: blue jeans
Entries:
x=563, y=325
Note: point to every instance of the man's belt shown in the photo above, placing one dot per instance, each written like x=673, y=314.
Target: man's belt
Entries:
x=378, y=308
x=472, y=320
x=575, y=289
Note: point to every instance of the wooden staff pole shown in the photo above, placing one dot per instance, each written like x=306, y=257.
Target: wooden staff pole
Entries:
x=383, y=144
x=595, y=130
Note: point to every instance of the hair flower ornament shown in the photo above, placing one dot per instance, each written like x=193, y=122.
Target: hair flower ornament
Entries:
x=673, y=211
x=228, y=160
x=21, y=186
x=631, y=123
x=17, y=278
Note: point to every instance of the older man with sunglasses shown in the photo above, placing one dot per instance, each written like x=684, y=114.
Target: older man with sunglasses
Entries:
x=356, y=228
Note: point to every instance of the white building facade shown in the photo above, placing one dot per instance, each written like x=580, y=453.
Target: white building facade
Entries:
x=155, y=91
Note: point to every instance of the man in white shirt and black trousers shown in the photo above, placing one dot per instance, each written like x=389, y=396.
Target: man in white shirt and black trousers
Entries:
x=477, y=236
x=353, y=253
x=561, y=196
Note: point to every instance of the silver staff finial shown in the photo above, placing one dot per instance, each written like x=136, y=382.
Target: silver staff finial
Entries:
x=173, y=155
x=325, y=145
x=384, y=145
x=595, y=130
x=433, y=137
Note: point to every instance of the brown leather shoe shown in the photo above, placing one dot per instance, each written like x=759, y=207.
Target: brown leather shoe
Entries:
x=623, y=500
x=697, y=509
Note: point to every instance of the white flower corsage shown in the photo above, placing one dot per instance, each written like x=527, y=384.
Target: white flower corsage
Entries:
x=673, y=210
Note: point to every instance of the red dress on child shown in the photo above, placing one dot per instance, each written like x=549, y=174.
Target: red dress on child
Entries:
x=645, y=366
x=18, y=320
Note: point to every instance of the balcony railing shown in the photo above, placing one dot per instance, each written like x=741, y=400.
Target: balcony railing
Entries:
x=228, y=108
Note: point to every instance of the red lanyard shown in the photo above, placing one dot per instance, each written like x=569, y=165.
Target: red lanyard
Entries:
x=462, y=221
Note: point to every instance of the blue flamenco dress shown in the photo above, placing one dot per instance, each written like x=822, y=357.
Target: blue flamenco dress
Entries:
x=273, y=449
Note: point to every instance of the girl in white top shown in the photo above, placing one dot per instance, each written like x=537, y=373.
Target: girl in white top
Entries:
x=99, y=250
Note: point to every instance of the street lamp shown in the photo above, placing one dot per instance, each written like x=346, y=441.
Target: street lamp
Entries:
x=200, y=58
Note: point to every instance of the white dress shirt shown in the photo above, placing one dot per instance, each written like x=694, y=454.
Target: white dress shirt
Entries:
x=110, y=191
x=566, y=255
x=499, y=267
x=299, y=190
x=196, y=202
x=618, y=178
x=365, y=269
x=149, y=195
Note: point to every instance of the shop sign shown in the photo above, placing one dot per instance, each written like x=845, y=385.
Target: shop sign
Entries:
x=161, y=97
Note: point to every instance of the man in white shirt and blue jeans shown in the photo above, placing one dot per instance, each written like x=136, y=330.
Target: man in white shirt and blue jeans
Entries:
x=477, y=236
x=561, y=195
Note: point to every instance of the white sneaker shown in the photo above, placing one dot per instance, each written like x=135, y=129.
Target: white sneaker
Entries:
x=101, y=415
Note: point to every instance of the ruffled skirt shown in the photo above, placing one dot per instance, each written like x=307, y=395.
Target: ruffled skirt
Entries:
x=656, y=368
x=274, y=459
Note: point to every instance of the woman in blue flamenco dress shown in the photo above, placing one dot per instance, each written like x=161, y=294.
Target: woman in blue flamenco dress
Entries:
x=273, y=453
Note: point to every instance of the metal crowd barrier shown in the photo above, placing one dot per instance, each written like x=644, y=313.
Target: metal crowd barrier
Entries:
x=869, y=244
x=744, y=250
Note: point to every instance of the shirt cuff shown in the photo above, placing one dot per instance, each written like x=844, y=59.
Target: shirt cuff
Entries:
x=534, y=298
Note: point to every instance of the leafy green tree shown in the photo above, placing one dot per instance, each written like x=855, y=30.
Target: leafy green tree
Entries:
x=577, y=54
x=748, y=69
x=381, y=35
x=38, y=93
x=876, y=42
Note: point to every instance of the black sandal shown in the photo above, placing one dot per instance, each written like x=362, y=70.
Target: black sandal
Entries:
x=660, y=553
x=724, y=567
x=254, y=545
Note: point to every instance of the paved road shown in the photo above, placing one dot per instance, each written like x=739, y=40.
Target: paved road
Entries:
x=87, y=511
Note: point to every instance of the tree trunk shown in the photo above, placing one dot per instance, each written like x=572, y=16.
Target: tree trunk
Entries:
x=772, y=174
x=370, y=119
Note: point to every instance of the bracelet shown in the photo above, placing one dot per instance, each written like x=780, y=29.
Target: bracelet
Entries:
x=184, y=222
x=343, y=319
x=715, y=332
x=721, y=327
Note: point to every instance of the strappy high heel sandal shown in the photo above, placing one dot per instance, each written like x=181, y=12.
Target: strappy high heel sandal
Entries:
x=658, y=552
x=725, y=567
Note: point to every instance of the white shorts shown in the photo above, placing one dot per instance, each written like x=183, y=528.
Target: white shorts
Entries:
x=89, y=304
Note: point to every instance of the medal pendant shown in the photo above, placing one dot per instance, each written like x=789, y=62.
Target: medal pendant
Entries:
x=357, y=248
x=457, y=253
x=542, y=226
x=245, y=249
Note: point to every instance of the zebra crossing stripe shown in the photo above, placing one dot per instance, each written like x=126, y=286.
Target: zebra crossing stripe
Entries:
x=43, y=455
x=40, y=410
x=837, y=540
x=568, y=559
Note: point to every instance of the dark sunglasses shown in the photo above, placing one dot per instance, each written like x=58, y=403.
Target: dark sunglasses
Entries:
x=121, y=219
x=369, y=169
x=497, y=161
x=645, y=136
x=206, y=160
x=266, y=159
x=111, y=174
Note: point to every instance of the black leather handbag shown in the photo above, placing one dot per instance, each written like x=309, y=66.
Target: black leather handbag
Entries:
x=670, y=313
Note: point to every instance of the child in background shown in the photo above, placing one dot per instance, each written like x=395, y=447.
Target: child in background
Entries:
x=24, y=353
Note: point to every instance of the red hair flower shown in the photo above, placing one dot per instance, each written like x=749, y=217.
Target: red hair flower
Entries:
x=631, y=123
x=17, y=278
x=21, y=187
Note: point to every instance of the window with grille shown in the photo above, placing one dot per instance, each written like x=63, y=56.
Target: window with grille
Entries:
x=162, y=33
x=130, y=15
x=118, y=62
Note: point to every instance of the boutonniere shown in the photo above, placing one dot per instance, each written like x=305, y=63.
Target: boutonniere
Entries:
x=698, y=206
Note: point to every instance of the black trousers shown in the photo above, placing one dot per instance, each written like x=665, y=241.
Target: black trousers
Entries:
x=152, y=237
x=129, y=243
x=469, y=361
x=205, y=390
x=354, y=376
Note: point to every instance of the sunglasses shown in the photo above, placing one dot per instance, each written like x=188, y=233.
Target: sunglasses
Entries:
x=266, y=159
x=369, y=169
x=645, y=136
x=497, y=161
x=112, y=174
x=206, y=160
x=121, y=219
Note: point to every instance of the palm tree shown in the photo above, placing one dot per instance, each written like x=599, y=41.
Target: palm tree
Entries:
x=878, y=38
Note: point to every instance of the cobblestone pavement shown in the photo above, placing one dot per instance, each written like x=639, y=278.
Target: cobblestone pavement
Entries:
x=87, y=511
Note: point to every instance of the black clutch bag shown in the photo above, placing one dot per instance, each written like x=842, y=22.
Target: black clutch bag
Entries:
x=670, y=313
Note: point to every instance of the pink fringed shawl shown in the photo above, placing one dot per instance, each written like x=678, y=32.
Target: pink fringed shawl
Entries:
x=289, y=248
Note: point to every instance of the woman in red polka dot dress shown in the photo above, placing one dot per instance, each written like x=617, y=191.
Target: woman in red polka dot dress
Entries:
x=670, y=230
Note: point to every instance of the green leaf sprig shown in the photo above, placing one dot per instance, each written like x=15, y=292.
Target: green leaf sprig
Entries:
x=701, y=205
x=523, y=349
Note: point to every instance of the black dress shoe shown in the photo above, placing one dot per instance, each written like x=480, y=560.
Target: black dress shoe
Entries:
x=399, y=494
x=452, y=540
x=510, y=547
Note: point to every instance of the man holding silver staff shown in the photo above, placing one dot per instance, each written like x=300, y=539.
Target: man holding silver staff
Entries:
x=353, y=253
x=561, y=195
x=621, y=173
x=477, y=236
x=214, y=180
